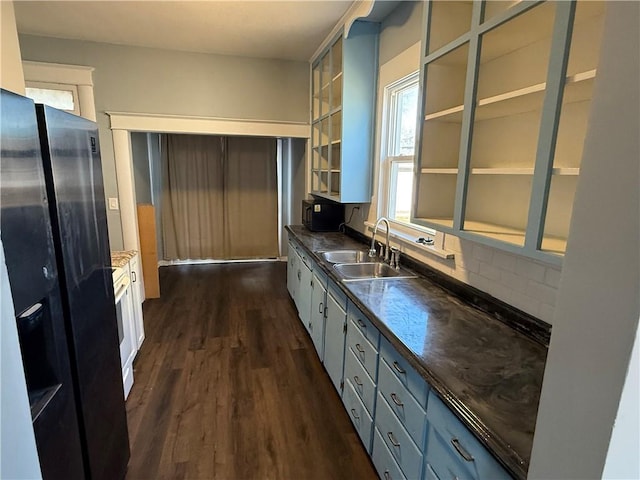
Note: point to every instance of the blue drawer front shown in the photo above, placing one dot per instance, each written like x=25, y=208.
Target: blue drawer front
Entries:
x=404, y=372
x=362, y=349
x=385, y=464
x=470, y=455
x=360, y=418
x=409, y=412
x=367, y=329
x=398, y=440
x=360, y=380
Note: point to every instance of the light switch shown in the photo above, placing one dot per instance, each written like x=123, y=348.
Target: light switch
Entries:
x=113, y=204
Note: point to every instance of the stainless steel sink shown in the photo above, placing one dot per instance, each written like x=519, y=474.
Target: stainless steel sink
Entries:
x=369, y=271
x=346, y=256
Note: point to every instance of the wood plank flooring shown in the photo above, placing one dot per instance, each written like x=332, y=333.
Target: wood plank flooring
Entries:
x=228, y=384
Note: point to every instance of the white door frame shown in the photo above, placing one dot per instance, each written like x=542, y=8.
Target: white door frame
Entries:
x=122, y=124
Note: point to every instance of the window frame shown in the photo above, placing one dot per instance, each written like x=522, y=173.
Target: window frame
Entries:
x=389, y=158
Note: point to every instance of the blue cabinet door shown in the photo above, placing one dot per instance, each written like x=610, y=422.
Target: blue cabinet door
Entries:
x=334, y=340
x=292, y=271
x=318, y=304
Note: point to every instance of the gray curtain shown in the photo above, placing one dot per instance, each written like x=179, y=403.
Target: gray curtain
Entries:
x=219, y=198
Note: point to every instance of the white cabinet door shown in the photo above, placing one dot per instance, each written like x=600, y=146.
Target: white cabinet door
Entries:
x=304, y=295
x=136, y=301
x=318, y=307
x=334, y=341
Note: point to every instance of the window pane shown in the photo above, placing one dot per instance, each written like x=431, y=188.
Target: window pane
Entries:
x=401, y=191
x=62, y=99
x=406, y=106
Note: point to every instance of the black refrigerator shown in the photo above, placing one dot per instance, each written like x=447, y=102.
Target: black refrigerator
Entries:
x=54, y=232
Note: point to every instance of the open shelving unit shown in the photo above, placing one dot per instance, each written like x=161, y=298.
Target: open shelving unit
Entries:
x=343, y=88
x=507, y=89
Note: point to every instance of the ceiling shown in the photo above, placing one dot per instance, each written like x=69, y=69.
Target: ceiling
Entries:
x=290, y=30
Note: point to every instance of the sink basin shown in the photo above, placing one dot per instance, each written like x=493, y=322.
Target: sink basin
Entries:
x=369, y=271
x=346, y=256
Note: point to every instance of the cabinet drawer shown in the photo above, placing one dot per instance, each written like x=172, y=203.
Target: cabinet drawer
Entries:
x=398, y=440
x=404, y=372
x=429, y=474
x=445, y=463
x=362, y=349
x=460, y=443
x=384, y=462
x=367, y=329
x=360, y=380
x=409, y=412
x=358, y=414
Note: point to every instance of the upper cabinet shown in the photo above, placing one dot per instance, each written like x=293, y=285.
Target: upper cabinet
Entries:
x=506, y=97
x=342, y=111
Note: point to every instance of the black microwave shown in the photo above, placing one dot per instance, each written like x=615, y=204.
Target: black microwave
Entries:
x=322, y=215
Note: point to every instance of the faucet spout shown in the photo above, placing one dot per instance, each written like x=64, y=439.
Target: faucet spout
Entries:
x=372, y=250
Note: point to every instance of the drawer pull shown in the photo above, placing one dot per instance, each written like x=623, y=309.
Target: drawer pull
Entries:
x=357, y=380
x=398, y=368
x=359, y=348
x=387, y=475
x=463, y=453
x=392, y=439
x=355, y=415
x=320, y=308
x=396, y=400
x=361, y=323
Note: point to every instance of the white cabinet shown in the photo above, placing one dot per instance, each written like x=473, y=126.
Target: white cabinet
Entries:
x=334, y=338
x=136, y=301
x=318, y=310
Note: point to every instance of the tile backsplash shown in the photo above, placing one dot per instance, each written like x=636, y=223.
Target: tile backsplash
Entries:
x=526, y=284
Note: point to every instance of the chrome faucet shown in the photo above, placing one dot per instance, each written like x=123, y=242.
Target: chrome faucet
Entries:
x=372, y=250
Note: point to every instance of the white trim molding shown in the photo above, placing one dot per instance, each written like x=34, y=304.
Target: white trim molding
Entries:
x=57, y=73
x=159, y=123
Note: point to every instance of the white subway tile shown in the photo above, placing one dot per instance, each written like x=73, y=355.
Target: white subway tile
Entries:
x=451, y=242
x=530, y=269
x=489, y=271
x=546, y=312
x=552, y=277
x=494, y=289
x=484, y=254
x=543, y=293
x=468, y=262
x=514, y=281
x=525, y=303
x=504, y=261
x=460, y=273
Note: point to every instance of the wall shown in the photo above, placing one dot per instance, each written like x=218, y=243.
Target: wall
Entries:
x=11, y=74
x=596, y=319
x=526, y=284
x=146, y=80
x=18, y=454
x=400, y=29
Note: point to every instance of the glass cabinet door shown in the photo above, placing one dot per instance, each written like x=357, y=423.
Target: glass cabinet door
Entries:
x=510, y=93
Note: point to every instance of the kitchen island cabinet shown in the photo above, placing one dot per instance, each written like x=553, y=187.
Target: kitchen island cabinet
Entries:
x=487, y=374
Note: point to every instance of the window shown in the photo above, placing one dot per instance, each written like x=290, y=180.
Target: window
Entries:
x=63, y=97
x=401, y=98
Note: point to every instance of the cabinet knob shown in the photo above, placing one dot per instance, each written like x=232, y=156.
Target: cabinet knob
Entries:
x=398, y=368
x=355, y=414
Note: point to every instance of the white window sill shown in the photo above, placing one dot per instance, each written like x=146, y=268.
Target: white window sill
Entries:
x=408, y=236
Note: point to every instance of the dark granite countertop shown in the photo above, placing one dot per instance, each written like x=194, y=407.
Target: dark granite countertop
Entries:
x=488, y=373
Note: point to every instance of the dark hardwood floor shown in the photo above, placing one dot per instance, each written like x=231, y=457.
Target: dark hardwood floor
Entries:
x=228, y=384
